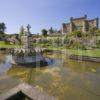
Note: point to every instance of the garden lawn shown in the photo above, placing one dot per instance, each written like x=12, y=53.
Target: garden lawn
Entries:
x=91, y=53
x=3, y=45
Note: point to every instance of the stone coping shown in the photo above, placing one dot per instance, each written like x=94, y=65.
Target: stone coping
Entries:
x=78, y=57
x=85, y=58
x=29, y=91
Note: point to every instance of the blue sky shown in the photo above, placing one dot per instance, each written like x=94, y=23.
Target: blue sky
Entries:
x=44, y=13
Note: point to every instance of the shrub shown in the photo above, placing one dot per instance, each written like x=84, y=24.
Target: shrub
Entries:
x=57, y=42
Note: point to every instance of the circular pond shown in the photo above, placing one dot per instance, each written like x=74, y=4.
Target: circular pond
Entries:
x=64, y=78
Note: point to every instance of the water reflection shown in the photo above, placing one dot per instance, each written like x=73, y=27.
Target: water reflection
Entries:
x=64, y=79
x=6, y=82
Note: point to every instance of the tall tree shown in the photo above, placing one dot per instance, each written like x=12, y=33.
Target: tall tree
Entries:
x=2, y=27
x=21, y=31
x=44, y=32
x=2, y=31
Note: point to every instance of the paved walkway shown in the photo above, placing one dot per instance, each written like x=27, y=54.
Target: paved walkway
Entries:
x=28, y=90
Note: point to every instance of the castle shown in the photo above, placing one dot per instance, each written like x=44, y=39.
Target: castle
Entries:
x=82, y=24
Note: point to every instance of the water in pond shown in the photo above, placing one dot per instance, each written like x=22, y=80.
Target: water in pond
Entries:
x=65, y=79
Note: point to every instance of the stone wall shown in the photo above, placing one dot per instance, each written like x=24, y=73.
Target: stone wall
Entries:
x=82, y=24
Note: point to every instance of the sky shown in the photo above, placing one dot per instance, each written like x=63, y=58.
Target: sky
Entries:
x=44, y=13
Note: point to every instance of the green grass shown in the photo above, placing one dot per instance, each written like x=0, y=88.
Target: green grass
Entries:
x=91, y=53
x=3, y=45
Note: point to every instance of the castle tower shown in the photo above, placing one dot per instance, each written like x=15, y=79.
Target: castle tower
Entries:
x=96, y=24
x=84, y=26
x=71, y=24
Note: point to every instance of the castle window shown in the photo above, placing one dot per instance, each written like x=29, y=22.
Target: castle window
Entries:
x=67, y=30
x=78, y=27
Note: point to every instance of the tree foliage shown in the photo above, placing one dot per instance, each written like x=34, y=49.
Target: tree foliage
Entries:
x=93, y=30
x=44, y=32
x=77, y=33
x=2, y=30
x=2, y=27
x=21, y=31
x=97, y=32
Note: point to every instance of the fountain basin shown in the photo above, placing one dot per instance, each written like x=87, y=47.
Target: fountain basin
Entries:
x=27, y=56
x=29, y=60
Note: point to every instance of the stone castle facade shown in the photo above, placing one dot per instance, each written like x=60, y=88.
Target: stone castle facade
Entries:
x=82, y=24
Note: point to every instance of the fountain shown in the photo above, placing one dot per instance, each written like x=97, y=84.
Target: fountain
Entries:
x=27, y=55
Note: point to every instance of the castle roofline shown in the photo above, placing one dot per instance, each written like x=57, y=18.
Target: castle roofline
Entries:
x=90, y=20
x=93, y=19
x=67, y=23
x=80, y=18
